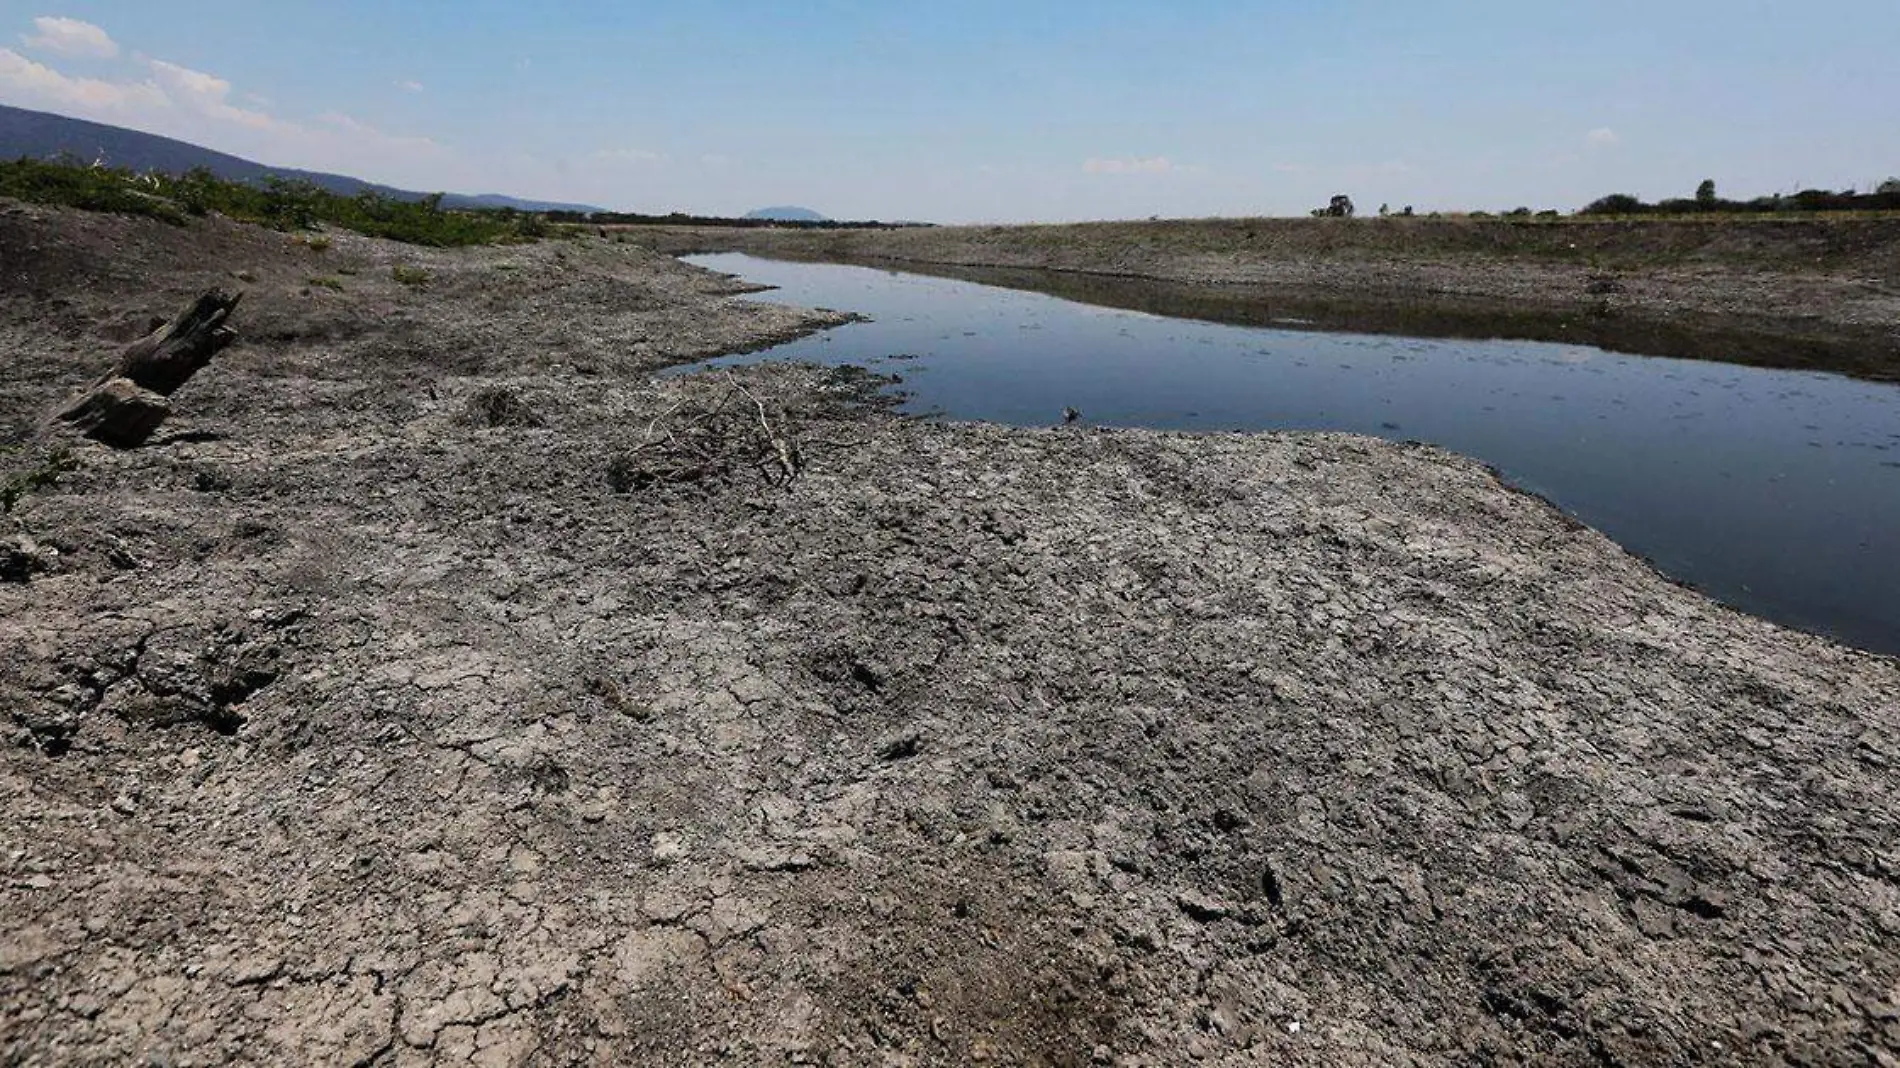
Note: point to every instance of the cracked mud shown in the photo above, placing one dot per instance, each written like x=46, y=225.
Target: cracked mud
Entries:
x=360, y=721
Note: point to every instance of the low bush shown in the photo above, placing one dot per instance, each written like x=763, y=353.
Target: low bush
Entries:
x=90, y=188
x=276, y=203
x=36, y=473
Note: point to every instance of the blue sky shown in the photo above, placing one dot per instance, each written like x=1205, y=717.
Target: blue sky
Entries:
x=986, y=110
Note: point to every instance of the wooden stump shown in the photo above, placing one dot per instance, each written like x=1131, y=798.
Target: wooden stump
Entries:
x=125, y=406
x=117, y=412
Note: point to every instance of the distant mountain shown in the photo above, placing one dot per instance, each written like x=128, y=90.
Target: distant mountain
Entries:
x=496, y=200
x=42, y=135
x=787, y=214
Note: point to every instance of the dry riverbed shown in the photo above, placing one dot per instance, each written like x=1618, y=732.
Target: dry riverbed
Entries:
x=367, y=719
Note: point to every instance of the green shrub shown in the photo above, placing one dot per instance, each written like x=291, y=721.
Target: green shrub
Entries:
x=285, y=205
x=410, y=276
x=38, y=475
x=1614, y=204
x=88, y=188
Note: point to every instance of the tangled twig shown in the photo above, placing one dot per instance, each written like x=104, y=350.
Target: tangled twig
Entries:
x=694, y=442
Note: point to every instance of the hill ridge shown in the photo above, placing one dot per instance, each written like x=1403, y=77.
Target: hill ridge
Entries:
x=44, y=134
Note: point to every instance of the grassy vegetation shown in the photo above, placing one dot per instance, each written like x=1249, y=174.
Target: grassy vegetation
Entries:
x=286, y=206
x=40, y=474
x=409, y=276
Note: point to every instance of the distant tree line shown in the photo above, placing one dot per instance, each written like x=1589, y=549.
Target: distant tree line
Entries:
x=1884, y=198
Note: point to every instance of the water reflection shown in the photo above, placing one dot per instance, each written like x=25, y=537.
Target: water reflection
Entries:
x=1775, y=491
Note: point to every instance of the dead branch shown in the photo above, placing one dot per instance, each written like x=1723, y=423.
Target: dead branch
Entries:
x=783, y=450
x=695, y=441
x=126, y=404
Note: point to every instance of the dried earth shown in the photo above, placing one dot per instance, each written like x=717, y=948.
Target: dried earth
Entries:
x=359, y=719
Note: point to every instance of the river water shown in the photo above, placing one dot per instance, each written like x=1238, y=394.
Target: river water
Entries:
x=1777, y=492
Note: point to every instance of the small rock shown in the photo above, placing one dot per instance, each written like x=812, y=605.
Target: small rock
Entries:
x=667, y=848
x=21, y=559
x=1200, y=907
x=902, y=746
x=252, y=971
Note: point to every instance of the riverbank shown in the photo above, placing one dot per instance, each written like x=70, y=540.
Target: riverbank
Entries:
x=366, y=718
x=1821, y=294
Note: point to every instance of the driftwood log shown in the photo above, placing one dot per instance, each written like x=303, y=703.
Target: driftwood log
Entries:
x=127, y=403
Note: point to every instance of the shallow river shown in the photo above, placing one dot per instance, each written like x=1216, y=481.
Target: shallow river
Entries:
x=1775, y=491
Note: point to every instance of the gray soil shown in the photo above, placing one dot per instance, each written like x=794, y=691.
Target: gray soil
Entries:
x=359, y=719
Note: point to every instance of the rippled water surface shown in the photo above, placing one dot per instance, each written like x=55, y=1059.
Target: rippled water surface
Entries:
x=1775, y=491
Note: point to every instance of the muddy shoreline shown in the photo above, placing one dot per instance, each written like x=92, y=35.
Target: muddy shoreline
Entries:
x=352, y=724
x=1806, y=296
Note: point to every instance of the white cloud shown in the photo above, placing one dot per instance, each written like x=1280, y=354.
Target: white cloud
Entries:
x=176, y=101
x=1602, y=135
x=22, y=78
x=629, y=155
x=365, y=133
x=1365, y=171
x=70, y=37
x=1149, y=165
x=410, y=86
x=191, y=82
x=206, y=94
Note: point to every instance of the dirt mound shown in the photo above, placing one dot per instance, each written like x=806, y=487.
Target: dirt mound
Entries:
x=366, y=732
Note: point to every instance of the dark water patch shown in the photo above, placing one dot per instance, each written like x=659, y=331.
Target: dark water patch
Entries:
x=1859, y=352
x=1770, y=490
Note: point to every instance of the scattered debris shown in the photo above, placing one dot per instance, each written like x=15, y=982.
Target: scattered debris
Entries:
x=498, y=406
x=697, y=440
